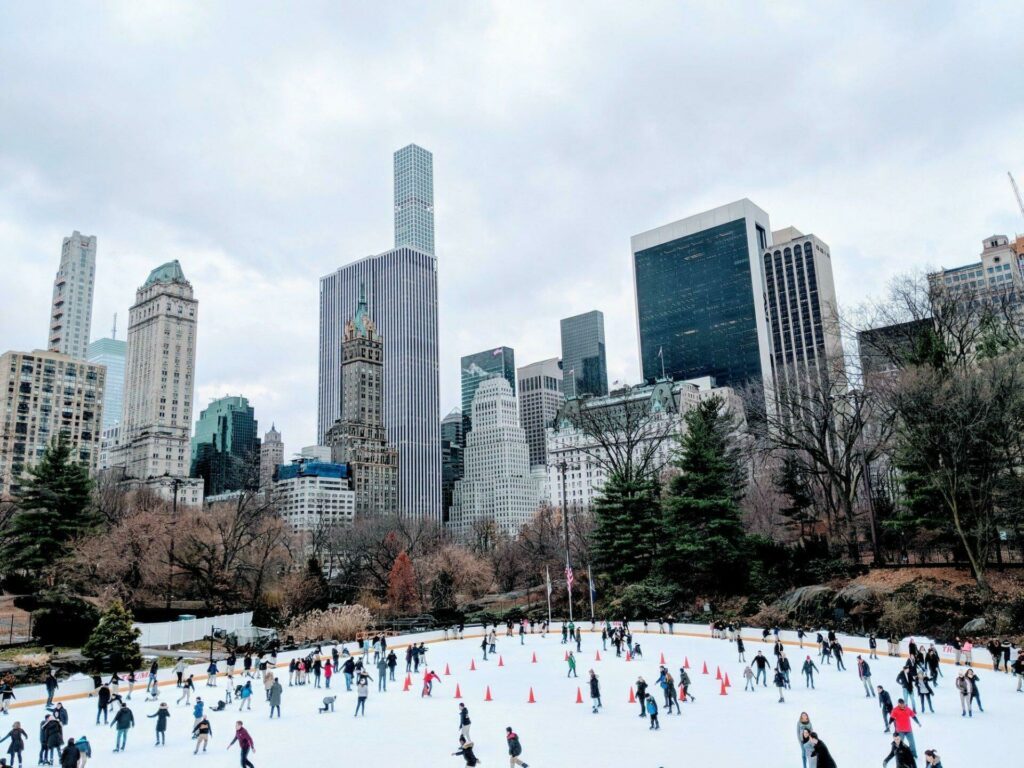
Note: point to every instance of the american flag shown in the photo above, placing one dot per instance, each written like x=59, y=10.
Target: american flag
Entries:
x=568, y=576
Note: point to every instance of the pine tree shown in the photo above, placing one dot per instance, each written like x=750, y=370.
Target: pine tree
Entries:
x=704, y=540
x=113, y=645
x=626, y=528
x=54, y=507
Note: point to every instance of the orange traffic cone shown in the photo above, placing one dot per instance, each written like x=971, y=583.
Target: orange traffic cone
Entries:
x=531, y=700
x=723, y=691
x=718, y=673
x=726, y=681
x=501, y=662
x=458, y=691
x=487, y=697
x=705, y=670
x=534, y=659
x=598, y=656
x=408, y=682
x=446, y=670
x=682, y=693
x=663, y=658
x=686, y=662
x=472, y=665
x=579, y=695
x=632, y=696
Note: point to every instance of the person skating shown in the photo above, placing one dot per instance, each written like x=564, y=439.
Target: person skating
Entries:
x=69, y=755
x=483, y=646
x=932, y=759
x=429, y=676
x=515, y=749
x=201, y=732
x=123, y=720
x=6, y=695
x=245, y=696
x=198, y=710
x=382, y=673
x=641, y=695
x=565, y=634
x=652, y=713
x=362, y=692
x=740, y=649
x=900, y=717
x=780, y=682
x=761, y=669
x=465, y=751
x=972, y=686
x=864, y=673
x=464, y=721
x=924, y=693
x=102, y=703
x=276, y=691
x=809, y=668
x=684, y=685
x=84, y=751
x=61, y=713
x=903, y=754
x=245, y=744
x=211, y=675
x=595, y=692
x=179, y=671
x=328, y=705
x=803, y=736
x=873, y=646
x=131, y=688
x=748, y=678
x=18, y=737
x=161, y=715
x=186, y=690
x=51, y=688
x=885, y=703
x=822, y=757
x=571, y=661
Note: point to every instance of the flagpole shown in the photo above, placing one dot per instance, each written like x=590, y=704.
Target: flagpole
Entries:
x=547, y=570
x=563, y=466
x=590, y=585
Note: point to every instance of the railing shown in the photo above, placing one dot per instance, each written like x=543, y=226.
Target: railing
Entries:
x=15, y=629
x=168, y=633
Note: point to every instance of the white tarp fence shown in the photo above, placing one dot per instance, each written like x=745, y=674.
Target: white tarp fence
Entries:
x=168, y=633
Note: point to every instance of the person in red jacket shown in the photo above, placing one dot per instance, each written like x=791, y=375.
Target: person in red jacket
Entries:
x=245, y=743
x=428, y=682
x=900, y=718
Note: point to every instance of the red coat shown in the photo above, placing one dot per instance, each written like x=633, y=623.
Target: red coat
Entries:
x=901, y=717
x=328, y=670
x=244, y=739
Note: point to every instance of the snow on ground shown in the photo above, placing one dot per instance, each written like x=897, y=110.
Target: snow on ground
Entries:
x=403, y=729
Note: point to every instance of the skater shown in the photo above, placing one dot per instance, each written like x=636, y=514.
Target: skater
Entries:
x=349, y=667
x=465, y=751
x=864, y=673
x=748, y=677
x=652, y=712
x=245, y=696
x=837, y=651
x=515, y=749
x=684, y=686
x=245, y=743
x=972, y=687
x=905, y=757
x=202, y=733
x=780, y=683
x=197, y=710
x=483, y=647
x=579, y=640
x=761, y=665
x=131, y=688
x=328, y=704
x=179, y=671
x=18, y=737
x=464, y=721
x=822, y=757
x=932, y=759
x=69, y=755
x=186, y=690
x=429, y=676
x=362, y=691
x=392, y=663
x=572, y=665
x=161, y=716
x=318, y=668
x=51, y=688
x=6, y=694
x=900, y=717
x=740, y=650
x=595, y=692
x=123, y=720
x=84, y=751
x=102, y=703
x=641, y=694
x=382, y=673
x=924, y=693
x=885, y=702
x=803, y=736
x=873, y=646
x=211, y=675
x=275, y=698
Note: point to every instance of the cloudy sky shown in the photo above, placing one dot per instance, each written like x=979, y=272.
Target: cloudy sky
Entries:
x=253, y=142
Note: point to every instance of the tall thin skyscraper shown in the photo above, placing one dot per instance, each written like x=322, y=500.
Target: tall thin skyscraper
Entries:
x=584, y=365
x=111, y=353
x=271, y=456
x=414, y=198
x=71, y=312
x=401, y=296
x=540, y=397
x=476, y=369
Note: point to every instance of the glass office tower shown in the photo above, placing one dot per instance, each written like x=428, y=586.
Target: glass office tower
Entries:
x=584, y=367
x=414, y=198
x=477, y=368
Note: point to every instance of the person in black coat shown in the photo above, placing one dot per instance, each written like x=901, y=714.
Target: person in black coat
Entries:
x=102, y=703
x=51, y=737
x=466, y=752
x=821, y=753
x=902, y=752
x=885, y=702
x=69, y=757
x=18, y=737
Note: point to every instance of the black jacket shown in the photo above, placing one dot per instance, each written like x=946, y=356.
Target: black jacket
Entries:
x=69, y=757
x=464, y=717
x=821, y=752
x=124, y=719
x=885, y=701
x=595, y=688
x=904, y=757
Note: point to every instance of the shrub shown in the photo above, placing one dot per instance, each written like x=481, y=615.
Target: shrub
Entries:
x=901, y=615
x=113, y=644
x=62, y=619
x=342, y=623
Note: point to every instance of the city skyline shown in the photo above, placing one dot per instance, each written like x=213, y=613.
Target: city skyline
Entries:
x=516, y=171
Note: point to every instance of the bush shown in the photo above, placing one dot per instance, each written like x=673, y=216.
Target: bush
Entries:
x=62, y=619
x=343, y=623
x=901, y=616
x=113, y=645
x=649, y=598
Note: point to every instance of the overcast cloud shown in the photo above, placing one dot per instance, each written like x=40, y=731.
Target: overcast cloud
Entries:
x=253, y=141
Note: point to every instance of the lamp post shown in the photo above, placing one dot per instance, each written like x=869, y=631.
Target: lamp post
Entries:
x=562, y=467
x=175, y=482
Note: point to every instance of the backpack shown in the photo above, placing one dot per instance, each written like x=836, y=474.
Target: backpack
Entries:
x=514, y=747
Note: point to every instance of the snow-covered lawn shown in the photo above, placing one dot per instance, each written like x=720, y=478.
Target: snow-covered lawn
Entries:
x=403, y=729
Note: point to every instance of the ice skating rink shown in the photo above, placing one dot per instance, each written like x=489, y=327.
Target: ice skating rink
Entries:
x=403, y=729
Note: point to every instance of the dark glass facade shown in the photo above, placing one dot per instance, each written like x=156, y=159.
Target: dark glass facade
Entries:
x=225, y=449
x=584, y=365
x=500, y=361
x=451, y=459
x=695, y=304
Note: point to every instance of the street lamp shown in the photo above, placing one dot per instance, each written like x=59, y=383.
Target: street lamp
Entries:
x=563, y=465
x=175, y=482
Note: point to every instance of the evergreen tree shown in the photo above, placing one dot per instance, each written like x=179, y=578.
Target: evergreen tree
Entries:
x=113, y=645
x=626, y=528
x=704, y=541
x=792, y=484
x=54, y=507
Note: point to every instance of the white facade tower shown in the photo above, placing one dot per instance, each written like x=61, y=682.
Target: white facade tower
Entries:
x=71, y=311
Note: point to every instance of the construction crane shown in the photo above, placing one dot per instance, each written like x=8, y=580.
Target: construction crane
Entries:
x=1016, y=191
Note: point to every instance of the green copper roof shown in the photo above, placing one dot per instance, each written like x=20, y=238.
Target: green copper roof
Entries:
x=166, y=273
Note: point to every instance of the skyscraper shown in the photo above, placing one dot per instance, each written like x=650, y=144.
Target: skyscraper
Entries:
x=111, y=353
x=401, y=295
x=358, y=439
x=584, y=366
x=414, y=198
x=159, y=385
x=451, y=458
x=271, y=456
x=699, y=286
x=477, y=368
x=225, y=448
x=540, y=397
x=71, y=313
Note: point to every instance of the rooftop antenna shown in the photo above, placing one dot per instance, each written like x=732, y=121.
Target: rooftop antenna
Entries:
x=1016, y=191
x=113, y=331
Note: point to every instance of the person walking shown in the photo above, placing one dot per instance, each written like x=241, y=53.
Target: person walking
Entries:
x=201, y=732
x=161, y=715
x=900, y=717
x=123, y=720
x=572, y=665
x=595, y=692
x=864, y=673
x=652, y=713
x=245, y=744
x=18, y=737
x=464, y=721
x=903, y=754
x=362, y=691
x=515, y=749
x=275, y=698
x=820, y=754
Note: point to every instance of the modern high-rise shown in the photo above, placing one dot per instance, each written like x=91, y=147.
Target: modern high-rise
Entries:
x=540, y=397
x=401, y=296
x=225, y=447
x=451, y=458
x=43, y=395
x=313, y=496
x=800, y=300
x=476, y=369
x=699, y=297
x=111, y=353
x=414, y=198
x=584, y=366
x=358, y=439
x=158, y=387
x=271, y=456
x=71, y=312
x=497, y=491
